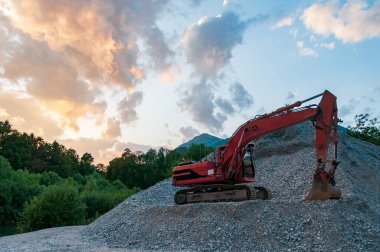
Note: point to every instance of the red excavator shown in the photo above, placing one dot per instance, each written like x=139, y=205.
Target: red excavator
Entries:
x=222, y=175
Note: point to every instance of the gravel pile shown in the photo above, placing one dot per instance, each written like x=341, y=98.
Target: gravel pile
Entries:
x=285, y=163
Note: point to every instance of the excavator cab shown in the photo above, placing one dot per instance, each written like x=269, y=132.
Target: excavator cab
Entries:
x=249, y=163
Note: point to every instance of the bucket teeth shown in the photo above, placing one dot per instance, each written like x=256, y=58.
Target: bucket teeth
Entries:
x=322, y=191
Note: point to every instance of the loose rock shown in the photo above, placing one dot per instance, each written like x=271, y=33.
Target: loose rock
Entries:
x=285, y=162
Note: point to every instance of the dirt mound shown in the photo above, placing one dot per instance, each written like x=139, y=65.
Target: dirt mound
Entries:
x=285, y=163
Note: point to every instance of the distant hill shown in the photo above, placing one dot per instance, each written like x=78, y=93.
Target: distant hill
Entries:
x=213, y=141
x=206, y=139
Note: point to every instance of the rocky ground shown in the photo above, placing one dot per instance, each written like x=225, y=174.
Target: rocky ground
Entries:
x=285, y=161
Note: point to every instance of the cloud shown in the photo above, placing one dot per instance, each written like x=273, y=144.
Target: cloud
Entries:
x=113, y=129
x=348, y=109
x=209, y=42
x=305, y=51
x=225, y=106
x=353, y=22
x=103, y=150
x=169, y=75
x=199, y=101
x=294, y=32
x=188, y=133
x=127, y=106
x=208, y=46
x=66, y=54
x=26, y=115
x=95, y=34
x=261, y=111
x=287, y=21
x=328, y=45
x=195, y=3
x=64, y=57
x=240, y=96
x=290, y=95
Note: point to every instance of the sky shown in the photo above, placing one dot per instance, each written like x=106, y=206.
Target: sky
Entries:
x=101, y=76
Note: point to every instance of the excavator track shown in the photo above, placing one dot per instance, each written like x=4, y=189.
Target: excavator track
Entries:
x=222, y=192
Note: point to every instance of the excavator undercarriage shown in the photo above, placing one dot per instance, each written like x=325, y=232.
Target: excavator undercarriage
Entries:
x=222, y=192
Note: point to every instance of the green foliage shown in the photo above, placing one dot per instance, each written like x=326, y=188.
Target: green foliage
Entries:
x=32, y=153
x=366, y=129
x=49, y=178
x=139, y=170
x=144, y=170
x=57, y=205
x=16, y=188
x=86, y=164
x=100, y=195
x=24, y=186
x=47, y=185
x=5, y=190
x=196, y=152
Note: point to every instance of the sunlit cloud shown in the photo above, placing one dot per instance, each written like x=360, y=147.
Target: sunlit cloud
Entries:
x=328, y=45
x=103, y=150
x=127, y=106
x=63, y=54
x=170, y=75
x=113, y=129
x=287, y=21
x=27, y=115
x=354, y=21
x=305, y=51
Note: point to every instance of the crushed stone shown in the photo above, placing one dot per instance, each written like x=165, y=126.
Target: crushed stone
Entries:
x=285, y=163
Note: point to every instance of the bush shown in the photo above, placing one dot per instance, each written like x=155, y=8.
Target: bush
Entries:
x=24, y=186
x=100, y=195
x=5, y=168
x=366, y=129
x=57, y=205
x=49, y=178
x=16, y=188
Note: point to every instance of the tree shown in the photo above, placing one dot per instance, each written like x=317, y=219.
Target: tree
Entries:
x=57, y=205
x=5, y=190
x=86, y=164
x=196, y=152
x=366, y=129
x=100, y=196
x=29, y=152
x=16, y=188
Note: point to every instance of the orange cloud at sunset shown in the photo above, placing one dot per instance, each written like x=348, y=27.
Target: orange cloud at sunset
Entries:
x=61, y=55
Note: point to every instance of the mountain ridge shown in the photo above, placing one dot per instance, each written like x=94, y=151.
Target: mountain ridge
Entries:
x=206, y=139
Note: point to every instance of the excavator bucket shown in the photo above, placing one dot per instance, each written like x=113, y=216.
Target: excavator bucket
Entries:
x=322, y=191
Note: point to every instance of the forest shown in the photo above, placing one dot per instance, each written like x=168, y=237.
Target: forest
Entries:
x=46, y=185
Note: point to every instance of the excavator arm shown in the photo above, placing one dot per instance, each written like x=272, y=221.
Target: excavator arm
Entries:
x=325, y=120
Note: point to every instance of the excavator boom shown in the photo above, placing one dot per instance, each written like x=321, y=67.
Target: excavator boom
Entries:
x=208, y=179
